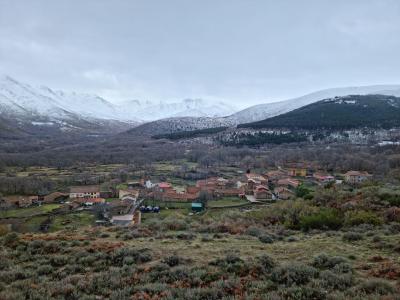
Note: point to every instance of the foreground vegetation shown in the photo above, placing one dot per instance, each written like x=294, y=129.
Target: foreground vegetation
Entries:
x=282, y=251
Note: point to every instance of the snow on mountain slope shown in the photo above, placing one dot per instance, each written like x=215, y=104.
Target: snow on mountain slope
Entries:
x=268, y=110
x=171, y=125
x=18, y=98
x=149, y=111
x=23, y=99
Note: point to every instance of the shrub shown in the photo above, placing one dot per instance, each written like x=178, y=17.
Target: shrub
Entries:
x=267, y=239
x=325, y=219
x=10, y=239
x=300, y=293
x=172, y=261
x=44, y=270
x=336, y=281
x=3, y=230
x=353, y=218
x=293, y=274
x=393, y=199
x=352, y=236
x=266, y=263
x=185, y=236
x=254, y=231
x=231, y=264
x=323, y=261
x=377, y=239
x=376, y=286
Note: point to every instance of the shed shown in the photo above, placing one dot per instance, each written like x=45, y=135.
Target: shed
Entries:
x=197, y=207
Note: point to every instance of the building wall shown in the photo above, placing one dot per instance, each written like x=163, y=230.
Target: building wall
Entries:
x=84, y=195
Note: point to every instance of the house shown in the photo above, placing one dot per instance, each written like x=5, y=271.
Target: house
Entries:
x=254, y=180
x=299, y=169
x=88, y=191
x=90, y=201
x=283, y=193
x=54, y=197
x=274, y=176
x=192, y=190
x=228, y=192
x=356, y=177
x=19, y=201
x=289, y=183
x=262, y=192
x=122, y=220
x=135, y=184
x=128, y=194
x=257, y=178
x=164, y=186
x=148, y=184
x=323, y=178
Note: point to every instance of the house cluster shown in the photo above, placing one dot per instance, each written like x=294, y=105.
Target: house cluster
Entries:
x=274, y=184
x=22, y=201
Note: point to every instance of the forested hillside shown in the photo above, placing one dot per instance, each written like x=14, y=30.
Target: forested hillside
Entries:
x=339, y=113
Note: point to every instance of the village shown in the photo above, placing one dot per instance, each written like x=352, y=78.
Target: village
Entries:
x=130, y=201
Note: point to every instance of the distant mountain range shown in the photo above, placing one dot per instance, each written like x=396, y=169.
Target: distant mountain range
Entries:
x=22, y=99
x=27, y=109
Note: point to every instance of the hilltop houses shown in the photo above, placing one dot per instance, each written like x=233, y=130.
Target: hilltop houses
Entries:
x=129, y=194
x=323, y=178
x=19, y=201
x=356, y=177
x=283, y=193
x=88, y=191
x=288, y=183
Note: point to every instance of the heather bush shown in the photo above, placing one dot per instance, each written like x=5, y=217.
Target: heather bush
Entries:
x=333, y=280
x=358, y=217
x=352, y=236
x=254, y=231
x=10, y=239
x=300, y=293
x=327, y=219
x=290, y=274
x=323, y=261
x=376, y=286
x=172, y=260
x=231, y=264
x=267, y=239
x=265, y=264
x=44, y=270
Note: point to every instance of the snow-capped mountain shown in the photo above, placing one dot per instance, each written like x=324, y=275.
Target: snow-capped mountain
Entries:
x=268, y=110
x=150, y=111
x=22, y=99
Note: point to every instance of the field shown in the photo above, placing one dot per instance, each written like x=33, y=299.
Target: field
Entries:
x=227, y=202
x=28, y=212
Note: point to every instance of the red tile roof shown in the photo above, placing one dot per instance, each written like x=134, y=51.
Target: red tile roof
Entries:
x=164, y=185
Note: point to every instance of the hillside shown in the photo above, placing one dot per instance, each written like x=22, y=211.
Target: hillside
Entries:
x=172, y=125
x=269, y=110
x=355, y=111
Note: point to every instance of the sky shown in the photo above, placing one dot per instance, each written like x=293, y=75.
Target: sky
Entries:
x=240, y=51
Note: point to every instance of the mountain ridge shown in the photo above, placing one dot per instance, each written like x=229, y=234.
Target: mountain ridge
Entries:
x=263, y=111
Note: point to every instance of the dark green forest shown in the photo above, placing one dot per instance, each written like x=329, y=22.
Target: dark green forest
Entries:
x=339, y=113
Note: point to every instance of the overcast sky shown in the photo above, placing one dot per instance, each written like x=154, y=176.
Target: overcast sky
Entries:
x=245, y=51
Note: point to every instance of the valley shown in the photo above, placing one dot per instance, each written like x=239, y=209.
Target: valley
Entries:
x=300, y=201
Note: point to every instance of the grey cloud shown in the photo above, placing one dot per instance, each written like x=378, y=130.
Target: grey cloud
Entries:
x=236, y=50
